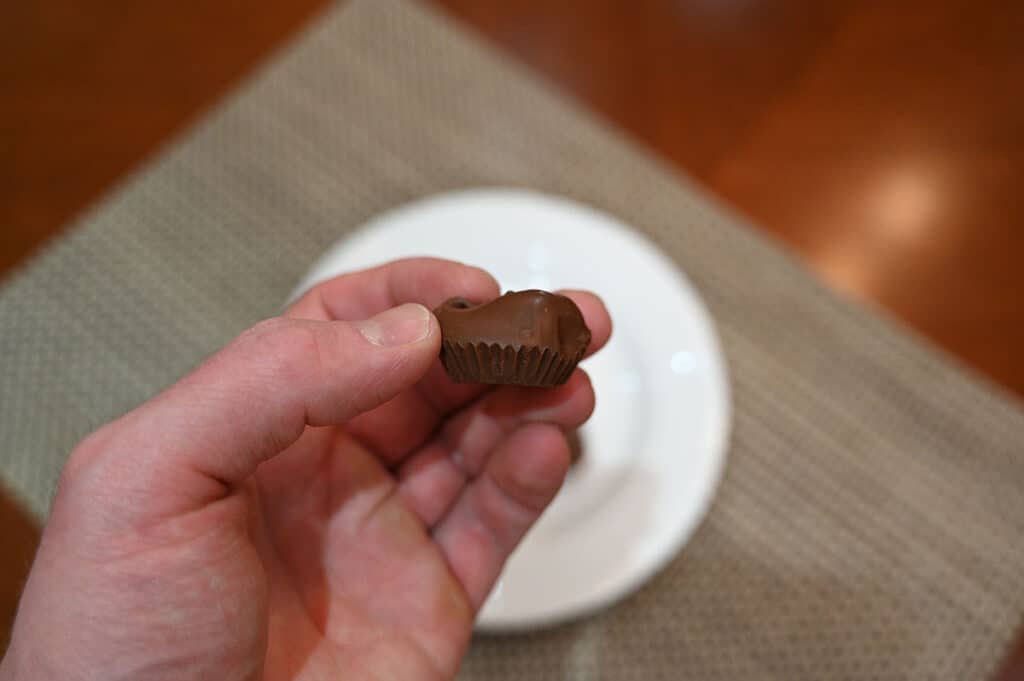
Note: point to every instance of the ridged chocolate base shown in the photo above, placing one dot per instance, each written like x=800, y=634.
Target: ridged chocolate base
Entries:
x=506, y=365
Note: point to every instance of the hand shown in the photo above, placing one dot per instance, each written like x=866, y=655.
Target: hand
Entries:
x=316, y=501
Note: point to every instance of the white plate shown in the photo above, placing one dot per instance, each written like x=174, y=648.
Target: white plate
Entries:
x=655, y=447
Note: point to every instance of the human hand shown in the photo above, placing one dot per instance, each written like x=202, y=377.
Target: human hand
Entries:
x=315, y=501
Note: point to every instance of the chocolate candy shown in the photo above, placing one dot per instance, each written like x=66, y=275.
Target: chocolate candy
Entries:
x=531, y=338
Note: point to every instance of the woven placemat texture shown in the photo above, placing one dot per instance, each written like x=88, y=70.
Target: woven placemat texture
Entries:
x=871, y=520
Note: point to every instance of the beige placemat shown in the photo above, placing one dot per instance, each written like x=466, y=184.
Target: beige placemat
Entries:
x=871, y=522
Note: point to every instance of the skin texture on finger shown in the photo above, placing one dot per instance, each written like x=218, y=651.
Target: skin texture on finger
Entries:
x=191, y=444
x=436, y=396
x=427, y=281
x=431, y=479
x=496, y=509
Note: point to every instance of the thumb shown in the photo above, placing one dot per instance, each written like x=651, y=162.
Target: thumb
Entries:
x=209, y=432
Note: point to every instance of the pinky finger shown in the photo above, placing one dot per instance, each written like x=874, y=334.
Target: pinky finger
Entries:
x=494, y=511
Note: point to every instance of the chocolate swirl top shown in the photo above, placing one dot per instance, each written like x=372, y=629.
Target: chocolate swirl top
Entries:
x=517, y=319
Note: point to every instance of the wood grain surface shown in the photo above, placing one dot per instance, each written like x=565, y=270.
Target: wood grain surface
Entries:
x=882, y=141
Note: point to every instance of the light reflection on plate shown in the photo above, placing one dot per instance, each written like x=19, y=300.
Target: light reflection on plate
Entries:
x=656, y=444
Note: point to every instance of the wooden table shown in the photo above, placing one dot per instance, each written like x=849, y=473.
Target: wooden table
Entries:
x=881, y=141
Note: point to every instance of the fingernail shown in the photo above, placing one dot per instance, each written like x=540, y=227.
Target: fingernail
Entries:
x=398, y=326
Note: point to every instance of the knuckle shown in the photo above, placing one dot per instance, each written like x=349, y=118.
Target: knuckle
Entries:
x=283, y=349
x=88, y=468
x=83, y=456
x=264, y=330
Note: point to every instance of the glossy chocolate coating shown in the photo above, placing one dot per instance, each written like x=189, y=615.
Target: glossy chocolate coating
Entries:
x=524, y=338
x=517, y=319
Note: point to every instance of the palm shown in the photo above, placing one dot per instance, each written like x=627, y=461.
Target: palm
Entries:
x=355, y=578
